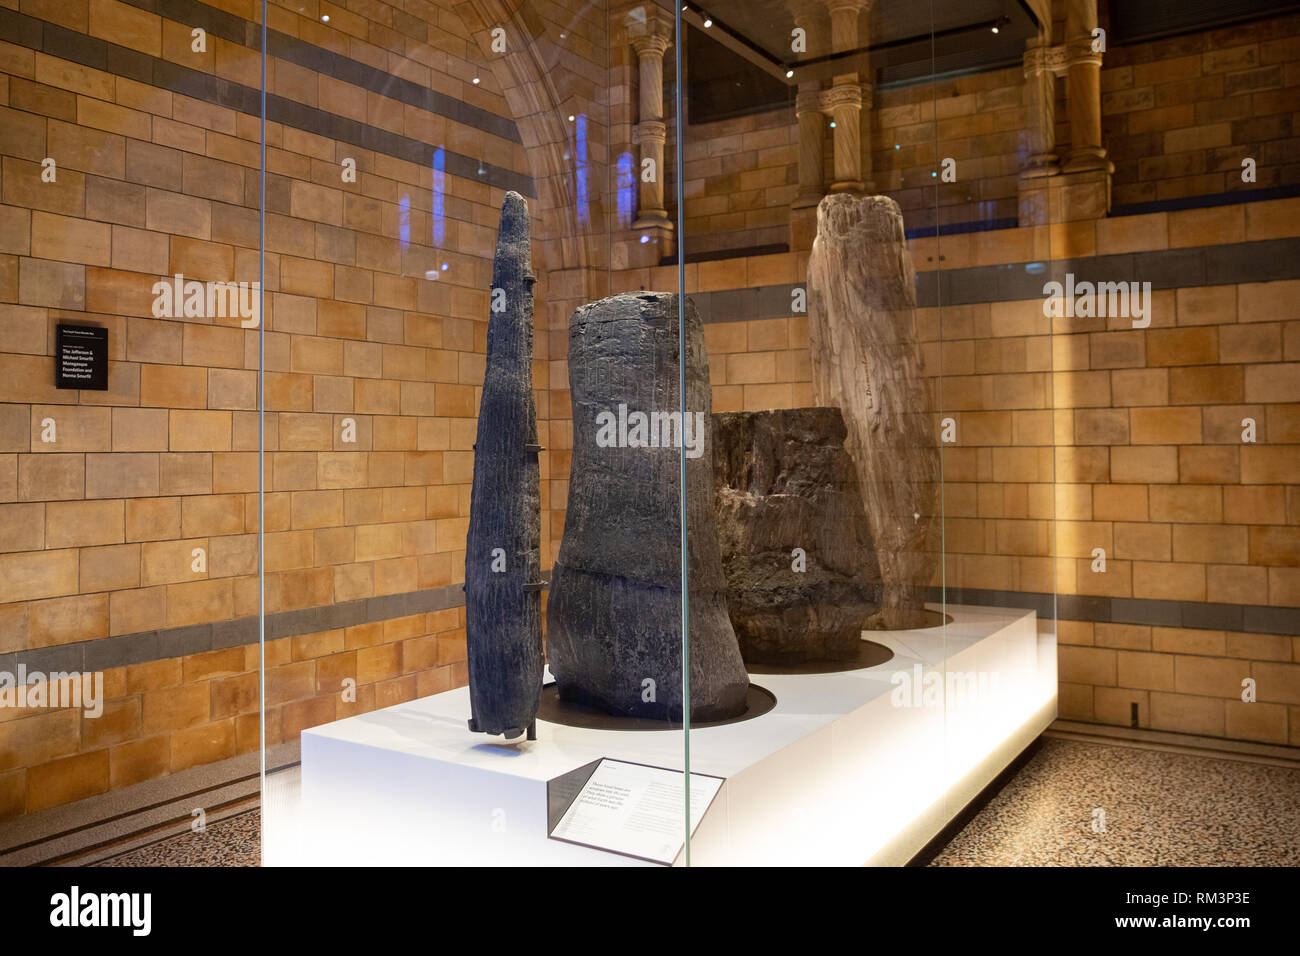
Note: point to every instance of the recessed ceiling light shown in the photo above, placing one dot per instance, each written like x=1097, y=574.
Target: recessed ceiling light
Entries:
x=995, y=29
x=476, y=81
x=707, y=23
x=789, y=73
x=570, y=117
x=832, y=124
x=325, y=18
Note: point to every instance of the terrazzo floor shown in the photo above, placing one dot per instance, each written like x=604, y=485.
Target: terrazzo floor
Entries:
x=1160, y=809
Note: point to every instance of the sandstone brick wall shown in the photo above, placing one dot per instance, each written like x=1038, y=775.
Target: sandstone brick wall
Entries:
x=158, y=173
x=1180, y=115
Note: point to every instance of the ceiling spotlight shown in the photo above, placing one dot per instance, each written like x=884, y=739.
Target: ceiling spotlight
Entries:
x=570, y=117
x=707, y=23
x=832, y=124
x=476, y=81
x=789, y=73
x=325, y=18
x=995, y=29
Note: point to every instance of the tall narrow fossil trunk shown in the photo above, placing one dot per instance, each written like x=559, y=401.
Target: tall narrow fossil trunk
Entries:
x=866, y=360
x=503, y=620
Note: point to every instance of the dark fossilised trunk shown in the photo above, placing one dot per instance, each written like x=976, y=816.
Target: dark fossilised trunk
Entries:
x=802, y=576
x=502, y=551
x=614, y=614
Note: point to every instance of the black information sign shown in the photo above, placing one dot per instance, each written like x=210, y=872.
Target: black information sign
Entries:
x=81, y=357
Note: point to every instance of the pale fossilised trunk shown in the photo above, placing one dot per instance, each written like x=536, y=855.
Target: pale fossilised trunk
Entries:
x=866, y=360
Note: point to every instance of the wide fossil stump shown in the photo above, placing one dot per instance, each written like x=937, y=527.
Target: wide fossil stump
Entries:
x=866, y=360
x=614, y=635
x=503, y=624
x=802, y=576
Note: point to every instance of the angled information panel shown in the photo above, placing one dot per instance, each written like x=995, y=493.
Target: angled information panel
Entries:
x=635, y=810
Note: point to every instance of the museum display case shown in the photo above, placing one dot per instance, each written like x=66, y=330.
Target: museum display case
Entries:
x=576, y=432
x=699, y=332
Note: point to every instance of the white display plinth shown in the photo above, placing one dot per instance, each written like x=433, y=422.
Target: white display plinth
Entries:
x=848, y=768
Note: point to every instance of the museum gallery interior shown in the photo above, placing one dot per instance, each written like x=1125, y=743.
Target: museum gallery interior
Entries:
x=638, y=433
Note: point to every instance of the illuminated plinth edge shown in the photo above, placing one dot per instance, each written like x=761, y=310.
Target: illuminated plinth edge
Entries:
x=865, y=766
x=867, y=361
x=503, y=622
x=802, y=574
x=614, y=636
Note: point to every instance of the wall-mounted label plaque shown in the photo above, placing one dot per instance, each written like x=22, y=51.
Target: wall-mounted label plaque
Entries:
x=81, y=357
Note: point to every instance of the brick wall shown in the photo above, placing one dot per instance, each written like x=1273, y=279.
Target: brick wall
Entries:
x=1180, y=115
x=158, y=172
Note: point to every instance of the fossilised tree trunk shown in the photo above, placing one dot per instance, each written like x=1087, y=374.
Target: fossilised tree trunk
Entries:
x=783, y=482
x=503, y=623
x=614, y=614
x=866, y=360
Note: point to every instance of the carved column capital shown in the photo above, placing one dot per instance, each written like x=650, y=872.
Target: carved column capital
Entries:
x=651, y=44
x=1045, y=59
x=1077, y=51
x=807, y=101
x=650, y=131
x=841, y=95
x=848, y=6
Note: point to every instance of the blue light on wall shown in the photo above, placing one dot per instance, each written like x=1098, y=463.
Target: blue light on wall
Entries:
x=439, y=196
x=404, y=222
x=580, y=167
x=625, y=188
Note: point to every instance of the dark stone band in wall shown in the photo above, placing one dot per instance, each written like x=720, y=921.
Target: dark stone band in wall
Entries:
x=107, y=652
x=285, y=47
x=125, y=649
x=99, y=54
x=1193, y=615
x=1264, y=261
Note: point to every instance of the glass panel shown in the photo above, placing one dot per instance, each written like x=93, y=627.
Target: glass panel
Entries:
x=456, y=413
x=809, y=141
x=883, y=420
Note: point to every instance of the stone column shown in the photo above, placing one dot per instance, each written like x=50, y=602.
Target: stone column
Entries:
x=1040, y=107
x=1083, y=89
x=651, y=132
x=812, y=145
x=844, y=100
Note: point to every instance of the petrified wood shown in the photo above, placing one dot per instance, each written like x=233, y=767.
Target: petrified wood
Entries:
x=802, y=576
x=503, y=623
x=866, y=360
x=614, y=636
